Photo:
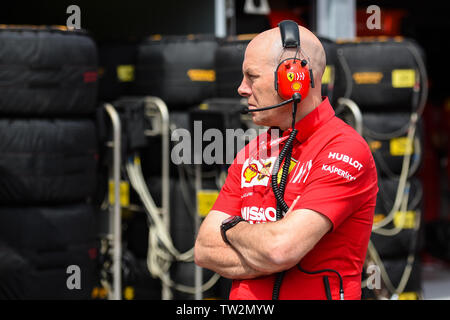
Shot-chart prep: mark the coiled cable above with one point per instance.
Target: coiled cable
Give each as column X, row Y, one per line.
column 278, row 191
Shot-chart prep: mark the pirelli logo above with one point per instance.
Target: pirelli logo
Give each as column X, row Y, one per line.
column 203, row 75
column 367, row 77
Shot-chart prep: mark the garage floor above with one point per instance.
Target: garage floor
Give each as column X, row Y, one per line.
column 436, row 281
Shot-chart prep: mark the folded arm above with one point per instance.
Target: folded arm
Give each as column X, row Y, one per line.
column 213, row 253
column 258, row 249
column 277, row 246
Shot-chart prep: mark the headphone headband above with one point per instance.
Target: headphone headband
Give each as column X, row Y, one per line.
column 290, row 37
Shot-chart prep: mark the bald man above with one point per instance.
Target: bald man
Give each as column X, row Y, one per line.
column 320, row 244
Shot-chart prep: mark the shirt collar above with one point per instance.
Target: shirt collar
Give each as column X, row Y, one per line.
column 313, row 120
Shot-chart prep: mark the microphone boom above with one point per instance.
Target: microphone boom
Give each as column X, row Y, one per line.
column 246, row 110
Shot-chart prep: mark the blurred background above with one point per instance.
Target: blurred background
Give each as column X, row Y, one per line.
column 95, row 95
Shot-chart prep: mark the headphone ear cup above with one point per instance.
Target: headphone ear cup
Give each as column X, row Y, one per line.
column 291, row 77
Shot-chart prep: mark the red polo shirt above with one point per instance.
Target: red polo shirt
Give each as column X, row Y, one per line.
column 333, row 172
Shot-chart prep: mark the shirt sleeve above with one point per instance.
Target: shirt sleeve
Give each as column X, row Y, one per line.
column 342, row 179
column 229, row 199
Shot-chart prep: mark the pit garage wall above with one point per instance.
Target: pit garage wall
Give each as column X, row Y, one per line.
column 109, row 20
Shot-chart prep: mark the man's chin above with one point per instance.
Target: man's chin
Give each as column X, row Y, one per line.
column 258, row 120
column 255, row 118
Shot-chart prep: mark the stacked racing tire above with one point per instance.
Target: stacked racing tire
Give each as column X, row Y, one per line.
column 48, row 163
column 386, row 79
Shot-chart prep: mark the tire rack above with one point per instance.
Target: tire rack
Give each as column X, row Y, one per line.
column 355, row 111
column 156, row 112
column 198, row 275
column 198, row 178
column 114, row 236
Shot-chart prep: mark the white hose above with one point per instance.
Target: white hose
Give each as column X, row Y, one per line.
column 406, row 272
column 161, row 250
column 400, row 195
column 403, row 177
column 135, row 175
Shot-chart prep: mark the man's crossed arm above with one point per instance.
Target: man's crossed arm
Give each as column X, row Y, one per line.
column 258, row 249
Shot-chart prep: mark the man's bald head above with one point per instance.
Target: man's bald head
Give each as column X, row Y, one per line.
column 262, row 56
column 270, row 46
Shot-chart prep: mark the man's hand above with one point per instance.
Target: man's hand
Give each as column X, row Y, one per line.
column 277, row 246
column 213, row 253
column 258, row 249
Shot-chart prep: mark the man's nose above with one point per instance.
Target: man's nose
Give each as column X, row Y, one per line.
column 244, row 89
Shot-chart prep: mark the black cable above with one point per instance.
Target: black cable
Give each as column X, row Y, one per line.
column 285, row 154
column 279, row 195
column 341, row 282
column 326, row 285
column 278, row 191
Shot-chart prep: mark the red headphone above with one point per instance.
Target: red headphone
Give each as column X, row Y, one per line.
column 292, row 76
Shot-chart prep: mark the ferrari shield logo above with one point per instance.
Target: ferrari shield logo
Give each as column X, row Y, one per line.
column 290, row 76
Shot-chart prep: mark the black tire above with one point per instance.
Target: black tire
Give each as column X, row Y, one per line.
column 179, row 70
column 329, row 75
column 182, row 229
column 230, row 56
column 20, row 279
column 218, row 114
column 395, row 246
column 137, row 282
column 47, row 229
column 12, row 268
column 408, row 240
column 182, row 226
column 47, row 161
column 184, row 273
column 43, row 242
column 47, row 72
column 388, row 189
column 228, row 63
column 395, row 269
column 51, row 284
column 388, row 149
column 117, row 70
column 379, row 75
